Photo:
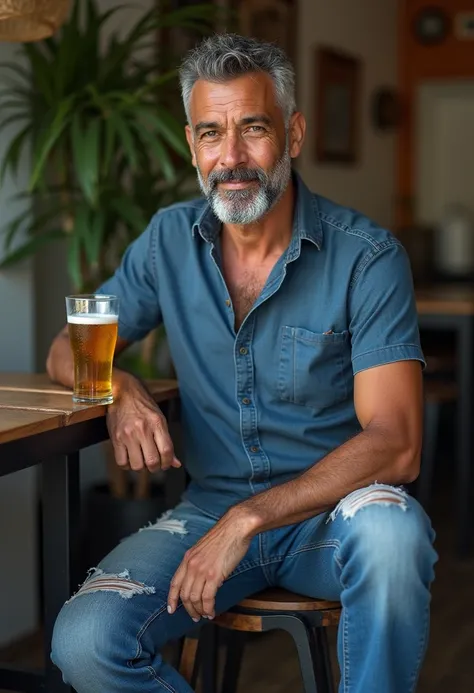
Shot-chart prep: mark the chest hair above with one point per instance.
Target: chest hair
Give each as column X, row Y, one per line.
column 244, row 291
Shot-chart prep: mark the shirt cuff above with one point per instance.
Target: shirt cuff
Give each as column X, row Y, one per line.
column 388, row 354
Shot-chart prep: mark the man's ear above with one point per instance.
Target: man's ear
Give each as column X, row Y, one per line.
column 297, row 133
column 189, row 137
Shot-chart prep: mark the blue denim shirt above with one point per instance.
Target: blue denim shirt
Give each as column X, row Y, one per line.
column 261, row 406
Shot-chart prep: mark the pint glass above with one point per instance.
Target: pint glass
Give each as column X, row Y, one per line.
column 93, row 325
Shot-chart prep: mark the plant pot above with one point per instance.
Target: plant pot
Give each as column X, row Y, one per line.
column 108, row 520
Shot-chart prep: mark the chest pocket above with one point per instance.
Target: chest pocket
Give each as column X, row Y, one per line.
column 315, row 368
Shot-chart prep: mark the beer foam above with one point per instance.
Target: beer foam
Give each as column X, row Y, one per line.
column 92, row 319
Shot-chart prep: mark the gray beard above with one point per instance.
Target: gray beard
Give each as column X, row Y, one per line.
column 249, row 205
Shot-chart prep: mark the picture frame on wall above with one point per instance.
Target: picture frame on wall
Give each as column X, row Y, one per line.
column 337, row 106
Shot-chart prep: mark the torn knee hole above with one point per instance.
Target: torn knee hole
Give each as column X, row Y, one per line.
column 376, row 494
column 99, row 581
column 166, row 523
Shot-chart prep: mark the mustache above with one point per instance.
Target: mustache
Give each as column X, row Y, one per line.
column 235, row 175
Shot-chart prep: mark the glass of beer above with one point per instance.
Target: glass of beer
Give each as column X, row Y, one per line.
column 93, row 326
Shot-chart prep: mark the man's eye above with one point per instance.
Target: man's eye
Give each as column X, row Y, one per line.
column 256, row 128
column 210, row 133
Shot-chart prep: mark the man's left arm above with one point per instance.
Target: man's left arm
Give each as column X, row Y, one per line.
column 388, row 402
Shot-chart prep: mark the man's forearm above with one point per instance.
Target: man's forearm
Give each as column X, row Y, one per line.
column 366, row 458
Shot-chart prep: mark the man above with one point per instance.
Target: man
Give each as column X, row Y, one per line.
column 293, row 330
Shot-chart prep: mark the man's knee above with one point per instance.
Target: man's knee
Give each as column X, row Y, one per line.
column 78, row 640
column 95, row 629
column 388, row 532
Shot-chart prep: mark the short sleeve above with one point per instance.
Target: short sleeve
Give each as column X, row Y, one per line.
column 383, row 316
column 134, row 282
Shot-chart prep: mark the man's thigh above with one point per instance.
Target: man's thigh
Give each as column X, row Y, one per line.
column 379, row 528
column 129, row 589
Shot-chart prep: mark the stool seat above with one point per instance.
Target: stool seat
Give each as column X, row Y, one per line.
column 253, row 613
column 277, row 599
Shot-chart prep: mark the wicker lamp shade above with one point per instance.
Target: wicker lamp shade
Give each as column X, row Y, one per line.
column 31, row 20
column 14, row 8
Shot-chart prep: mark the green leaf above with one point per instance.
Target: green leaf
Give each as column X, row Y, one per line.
column 171, row 131
column 123, row 131
column 42, row 71
column 39, row 221
column 74, row 261
column 30, row 248
column 95, row 235
column 75, row 19
column 129, row 212
column 14, row 88
column 51, row 46
column 12, row 155
column 18, row 70
column 13, row 227
column 154, row 82
column 106, row 15
column 12, row 104
column 109, row 145
column 48, row 139
column 14, row 118
column 119, row 52
column 85, row 150
column 91, row 12
column 68, row 61
column 162, row 157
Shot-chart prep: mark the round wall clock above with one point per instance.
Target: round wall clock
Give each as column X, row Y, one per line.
column 431, row 25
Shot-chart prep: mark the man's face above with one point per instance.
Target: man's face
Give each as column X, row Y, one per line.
column 240, row 146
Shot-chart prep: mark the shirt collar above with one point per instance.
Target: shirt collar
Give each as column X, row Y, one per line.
column 306, row 220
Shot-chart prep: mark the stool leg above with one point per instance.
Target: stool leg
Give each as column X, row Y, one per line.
column 324, row 668
column 207, row 658
column 234, row 654
column 305, row 644
column 187, row 666
column 430, row 439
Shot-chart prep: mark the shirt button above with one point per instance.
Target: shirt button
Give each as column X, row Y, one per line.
column 227, row 302
column 243, row 351
column 245, row 400
column 254, row 448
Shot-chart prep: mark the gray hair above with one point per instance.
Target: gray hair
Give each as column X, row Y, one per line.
column 224, row 57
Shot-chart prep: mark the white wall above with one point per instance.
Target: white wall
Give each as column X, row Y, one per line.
column 18, row 543
column 366, row 28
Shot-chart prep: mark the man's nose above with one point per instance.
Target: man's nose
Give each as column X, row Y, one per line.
column 233, row 151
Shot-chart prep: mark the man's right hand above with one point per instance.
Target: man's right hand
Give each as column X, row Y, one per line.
column 138, row 430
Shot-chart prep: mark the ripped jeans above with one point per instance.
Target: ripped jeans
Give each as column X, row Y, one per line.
column 374, row 553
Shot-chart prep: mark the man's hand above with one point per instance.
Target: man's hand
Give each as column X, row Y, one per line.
column 205, row 567
column 138, row 430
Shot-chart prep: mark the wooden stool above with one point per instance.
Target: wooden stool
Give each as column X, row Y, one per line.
column 305, row 619
column 436, row 393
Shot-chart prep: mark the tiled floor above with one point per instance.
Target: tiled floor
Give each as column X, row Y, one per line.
column 270, row 664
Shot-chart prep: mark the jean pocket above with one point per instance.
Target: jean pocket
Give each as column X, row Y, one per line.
column 315, row 368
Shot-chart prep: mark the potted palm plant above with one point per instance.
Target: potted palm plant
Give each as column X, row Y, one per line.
column 107, row 152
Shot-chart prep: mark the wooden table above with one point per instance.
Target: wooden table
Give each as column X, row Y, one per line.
column 451, row 308
column 40, row 425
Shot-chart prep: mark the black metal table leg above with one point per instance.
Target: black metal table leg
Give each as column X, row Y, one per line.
column 61, row 505
column 465, row 423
